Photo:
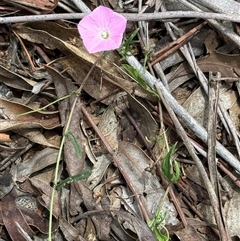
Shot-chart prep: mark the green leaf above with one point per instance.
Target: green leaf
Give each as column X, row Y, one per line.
column 136, row 76
column 171, row 173
column 177, row 173
column 77, row 177
column 160, row 236
column 76, row 146
column 147, row 57
column 156, row 224
column 126, row 46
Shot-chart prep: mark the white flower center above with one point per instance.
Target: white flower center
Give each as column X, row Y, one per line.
column 104, row 34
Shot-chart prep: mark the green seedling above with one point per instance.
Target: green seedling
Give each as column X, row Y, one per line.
column 156, row 224
column 171, row 172
column 170, row 168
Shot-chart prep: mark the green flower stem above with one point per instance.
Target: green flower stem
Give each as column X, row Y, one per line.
column 62, row 144
column 44, row 107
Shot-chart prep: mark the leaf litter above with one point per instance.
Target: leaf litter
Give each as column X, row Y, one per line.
column 110, row 180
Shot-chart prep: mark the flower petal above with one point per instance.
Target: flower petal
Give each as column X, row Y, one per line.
column 93, row 45
column 87, row 25
column 102, row 19
column 117, row 23
column 102, row 16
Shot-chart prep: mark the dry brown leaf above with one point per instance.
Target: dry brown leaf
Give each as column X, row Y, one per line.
column 6, row 184
column 142, row 230
column 11, row 109
column 45, row 6
column 234, row 113
column 232, row 211
column 211, row 42
column 39, row 161
column 109, row 127
column 35, row 136
column 115, row 201
column 69, row 232
column 197, row 103
column 90, row 233
column 98, row 171
column 15, row 80
column 18, row 211
column 11, row 125
column 12, row 217
column 188, row 233
column 63, row 86
column 227, row 65
column 143, row 117
column 28, row 205
column 46, row 191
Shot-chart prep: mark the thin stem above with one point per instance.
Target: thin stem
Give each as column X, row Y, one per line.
column 164, row 197
column 62, row 144
column 44, row 107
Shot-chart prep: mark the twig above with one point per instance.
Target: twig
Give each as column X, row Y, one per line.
column 228, row 32
column 234, row 178
column 223, row 6
column 81, row 6
column 213, row 97
column 160, row 16
column 175, row 45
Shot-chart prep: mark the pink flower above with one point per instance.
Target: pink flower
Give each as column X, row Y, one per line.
column 102, row 30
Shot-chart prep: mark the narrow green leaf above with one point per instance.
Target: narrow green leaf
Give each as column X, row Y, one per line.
column 156, row 224
column 160, row 236
column 169, row 172
column 77, row 177
column 147, row 57
column 126, row 46
column 76, row 146
column 177, row 172
column 136, row 76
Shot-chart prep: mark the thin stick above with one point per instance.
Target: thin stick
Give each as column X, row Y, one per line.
column 160, row 16
column 188, row 120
